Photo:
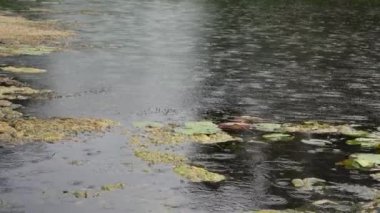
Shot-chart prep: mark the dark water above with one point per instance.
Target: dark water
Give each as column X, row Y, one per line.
column 174, row 60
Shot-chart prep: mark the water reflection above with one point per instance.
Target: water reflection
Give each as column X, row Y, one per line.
column 188, row 60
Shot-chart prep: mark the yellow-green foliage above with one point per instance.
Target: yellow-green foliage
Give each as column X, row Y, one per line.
column 112, row 187
column 197, row 174
column 29, row 70
column 56, row 129
column 155, row 157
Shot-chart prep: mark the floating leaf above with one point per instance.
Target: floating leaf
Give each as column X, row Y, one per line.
column 349, row 131
column 268, row 127
column 199, row 127
column 197, row 174
column 362, row 161
column 324, row 202
column 316, row 142
column 365, row 142
column 275, row 137
column 308, row 184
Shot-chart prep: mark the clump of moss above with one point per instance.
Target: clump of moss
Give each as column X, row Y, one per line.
column 56, row 129
column 112, row 186
column 197, row 174
column 18, row 93
column 154, row 157
column 172, row 134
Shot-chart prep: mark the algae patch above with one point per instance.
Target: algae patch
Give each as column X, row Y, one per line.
column 27, row 70
column 199, row 132
column 56, row 129
column 21, row 36
column 112, row 187
column 155, row 157
column 197, row 174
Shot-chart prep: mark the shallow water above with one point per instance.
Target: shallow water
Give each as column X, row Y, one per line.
column 190, row 60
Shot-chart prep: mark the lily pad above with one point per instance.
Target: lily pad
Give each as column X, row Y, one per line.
column 349, row 131
column 362, row 161
column 197, row 174
column 316, row 142
column 276, row 137
column 198, row 127
column 308, row 184
column 29, row 70
column 268, row 127
column 365, row 142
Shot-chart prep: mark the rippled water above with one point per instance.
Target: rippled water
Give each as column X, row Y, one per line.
column 189, row 60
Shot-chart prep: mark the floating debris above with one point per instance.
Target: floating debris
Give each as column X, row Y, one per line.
column 198, row 128
column 198, row 132
column 309, row 184
column 268, row 127
column 316, row 142
column 197, row 174
column 56, row 129
column 112, row 187
column 28, row 70
column 365, row 142
column 277, row 137
column 154, row 157
column 27, row 50
column 19, row 93
column 362, row 161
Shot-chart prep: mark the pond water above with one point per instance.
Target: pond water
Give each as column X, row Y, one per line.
column 174, row 61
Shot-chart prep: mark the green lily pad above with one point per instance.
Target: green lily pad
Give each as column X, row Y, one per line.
column 276, row 137
column 147, row 124
column 29, row 70
column 268, row 127
column 349, row 131
column 362, row 161
column 365, row 142
column 197, row 174
column 316, row 142
column 199, row 127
